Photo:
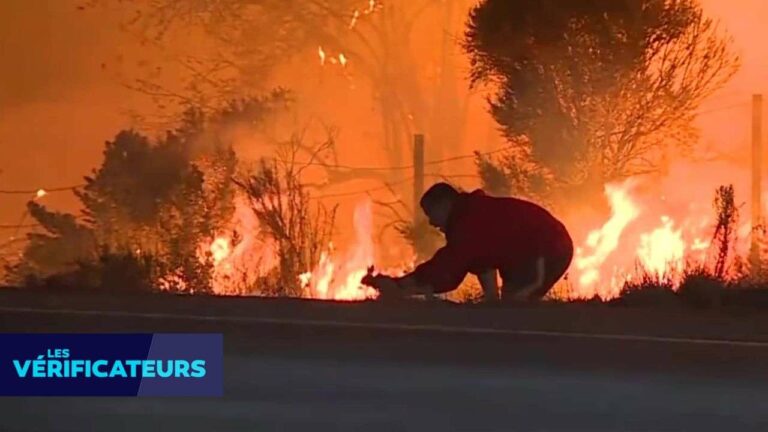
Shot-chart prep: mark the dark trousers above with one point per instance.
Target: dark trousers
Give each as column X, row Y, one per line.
column 523, row 274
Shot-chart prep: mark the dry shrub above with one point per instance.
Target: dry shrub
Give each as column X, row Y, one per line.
column 648, row 289
column 300, row 226
column 700, row 287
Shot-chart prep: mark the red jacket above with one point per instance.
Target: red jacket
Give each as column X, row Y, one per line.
column 486, row 232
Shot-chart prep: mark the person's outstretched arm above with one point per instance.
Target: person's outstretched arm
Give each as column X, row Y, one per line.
column 405, row 285
column 442, row 273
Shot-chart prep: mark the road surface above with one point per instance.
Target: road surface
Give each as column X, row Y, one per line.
column 297, row 366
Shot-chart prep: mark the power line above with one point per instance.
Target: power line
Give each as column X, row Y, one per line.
column 359, row 192
column 722, row 108
column 314, row 197
column 46, row 190
column 21, row 222
column 453, row 175
column 22, row 225
column 12, row 242
column 19, row 226
column 388, row 185
column 393, row 168
column 352, row 167
column 306, row 163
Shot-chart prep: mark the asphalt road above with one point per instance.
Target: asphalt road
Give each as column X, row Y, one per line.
column 326, row 367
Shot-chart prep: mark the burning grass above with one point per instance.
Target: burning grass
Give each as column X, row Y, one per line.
column 197, row 232
column 249, row 256
column 698, row 287
column 717, row 277
column 654, row 241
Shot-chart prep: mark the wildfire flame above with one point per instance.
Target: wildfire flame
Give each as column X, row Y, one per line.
column 341, row 281
column 601, row 243
column 238, row 264
column 239, row 255
column 662, row 250
column 220, row 249
column 657, row 236
column 321, row 53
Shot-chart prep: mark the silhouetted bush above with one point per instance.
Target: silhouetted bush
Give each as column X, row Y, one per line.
column 702, row 288
column 110, row 272
column 647, row 289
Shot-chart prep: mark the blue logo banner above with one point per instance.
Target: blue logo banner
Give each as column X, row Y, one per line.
column 142, row 364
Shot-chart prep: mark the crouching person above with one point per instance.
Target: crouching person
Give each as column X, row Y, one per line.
column 528, row 247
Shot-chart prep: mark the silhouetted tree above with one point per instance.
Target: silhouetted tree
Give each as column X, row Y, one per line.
column 514, row 173
column 57, row 247
column 149, row 207
column 597, row 89
column 249, row 39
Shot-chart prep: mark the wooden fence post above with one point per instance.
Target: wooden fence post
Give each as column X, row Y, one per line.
column 757, row 178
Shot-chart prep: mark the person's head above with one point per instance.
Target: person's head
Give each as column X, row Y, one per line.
column 437, row 203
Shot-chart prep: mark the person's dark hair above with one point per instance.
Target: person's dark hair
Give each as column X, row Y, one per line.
column 437, row 193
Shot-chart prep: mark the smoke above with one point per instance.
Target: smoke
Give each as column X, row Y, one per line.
column 62, row 94
column 725, row 118
column 58, row 101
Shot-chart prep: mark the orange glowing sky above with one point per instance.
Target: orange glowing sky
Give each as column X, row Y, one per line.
column 746, row 21
column 59, row 102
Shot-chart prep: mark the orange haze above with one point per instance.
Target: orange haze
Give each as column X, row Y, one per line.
column 60, row 99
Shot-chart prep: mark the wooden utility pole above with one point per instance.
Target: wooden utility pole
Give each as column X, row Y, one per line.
column 418, row 174
column 757, row 178
column 420, row 241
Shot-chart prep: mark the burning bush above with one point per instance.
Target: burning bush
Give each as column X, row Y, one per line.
column 166, row 214
column 151, row 203
column 648, row 289
column 699, row 283
column 301, row 230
